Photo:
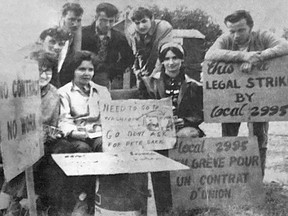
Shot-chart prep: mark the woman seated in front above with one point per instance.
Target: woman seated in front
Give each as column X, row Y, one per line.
column 187, row 105
column 80, row 111
column 80, row 123
column 186, row 93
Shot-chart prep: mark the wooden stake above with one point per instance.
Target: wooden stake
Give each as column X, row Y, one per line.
column 31, row 191
column 251, row 129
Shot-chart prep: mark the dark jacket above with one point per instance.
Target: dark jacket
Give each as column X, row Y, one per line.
column 190, row 99
column 119, row 53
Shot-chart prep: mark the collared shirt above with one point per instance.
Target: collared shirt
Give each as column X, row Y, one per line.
column 172, row 88
column 81, row 111
column 101, row 36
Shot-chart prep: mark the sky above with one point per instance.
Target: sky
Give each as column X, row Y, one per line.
column 23, row 20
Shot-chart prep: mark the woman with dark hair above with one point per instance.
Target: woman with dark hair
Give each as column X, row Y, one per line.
column 80, row 123
column 186, row 93
column 50, row 107
column 80, row 112
column 187, row 105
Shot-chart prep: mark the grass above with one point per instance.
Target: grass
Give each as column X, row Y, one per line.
column 276, row 204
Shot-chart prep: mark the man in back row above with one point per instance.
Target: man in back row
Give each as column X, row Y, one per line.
column 146, row 35
column 248, row 47
column 70, row 23
column 112, row 51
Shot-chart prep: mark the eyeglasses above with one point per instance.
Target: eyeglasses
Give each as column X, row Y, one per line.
column 46, row 71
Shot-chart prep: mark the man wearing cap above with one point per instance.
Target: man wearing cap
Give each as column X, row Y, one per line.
column 145, row 35
column 113, row 54
column 249, row 47
column 70, row 23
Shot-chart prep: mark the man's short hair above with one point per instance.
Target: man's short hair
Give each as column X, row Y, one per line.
column 109, row 9
column 239, row 15
column 56, row 33
column 140, row 13
column 45, row 60
column 75, row 7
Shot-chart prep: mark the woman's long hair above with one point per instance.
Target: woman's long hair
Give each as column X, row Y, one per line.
column 177, row 49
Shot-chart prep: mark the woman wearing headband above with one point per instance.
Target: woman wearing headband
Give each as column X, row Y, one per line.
column 186, row 93
column 187, row 99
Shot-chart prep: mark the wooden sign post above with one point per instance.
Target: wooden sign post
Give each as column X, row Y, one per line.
column 20, row 125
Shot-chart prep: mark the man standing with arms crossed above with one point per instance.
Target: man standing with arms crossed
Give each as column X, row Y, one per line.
column 249, row 47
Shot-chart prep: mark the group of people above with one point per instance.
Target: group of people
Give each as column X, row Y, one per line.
column 77, row 66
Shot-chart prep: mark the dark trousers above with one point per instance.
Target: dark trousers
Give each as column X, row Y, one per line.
column 260, row 130
column 162, row 188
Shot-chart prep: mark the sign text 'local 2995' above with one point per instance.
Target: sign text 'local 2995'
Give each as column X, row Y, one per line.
column 233, row 96
column 223, row 171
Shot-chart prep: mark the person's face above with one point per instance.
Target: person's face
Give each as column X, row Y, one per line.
column 45, row 76
column 104, row 23
column 172, row 64
column 71, row 22
column 52, row 45
column 240, row 31
column 144, row 25
column 84, row 73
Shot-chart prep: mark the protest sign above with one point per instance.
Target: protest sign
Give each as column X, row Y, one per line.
column 20, row 124
column 223, row 171
column 108, row 163
column 137, row 125
column 233, row 96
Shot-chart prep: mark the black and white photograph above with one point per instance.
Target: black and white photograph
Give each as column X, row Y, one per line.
column 144, row 108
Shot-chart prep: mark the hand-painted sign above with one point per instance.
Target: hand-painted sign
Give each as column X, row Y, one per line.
column 106, row 163
column 233, row 96
column 137, row 125
column 223, row 171
column 20, row 124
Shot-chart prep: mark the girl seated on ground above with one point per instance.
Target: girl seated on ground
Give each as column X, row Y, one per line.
column 186, row 93
column 80, row 123
column 50, row 106
column 187, row 105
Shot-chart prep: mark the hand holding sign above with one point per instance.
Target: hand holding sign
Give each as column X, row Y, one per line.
column 51, row 133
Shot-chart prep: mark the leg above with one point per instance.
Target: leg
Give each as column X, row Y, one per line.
column 261, row 132
column 80, row 146
column 162, row 189
column 230, row 129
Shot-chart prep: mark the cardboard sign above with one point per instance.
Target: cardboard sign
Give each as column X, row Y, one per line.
column 107, row 163
column 233, row 96
column 131, row 125
column 223, row 171
column 20, row 124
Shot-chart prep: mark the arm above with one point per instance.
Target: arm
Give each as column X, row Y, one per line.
column 66, row 121
column 274, row 47
column 219, row 51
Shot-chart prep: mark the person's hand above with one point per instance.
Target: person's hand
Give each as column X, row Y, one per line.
column 246, row 67
column 252, row 57
column 140, row 73
column 179, row 123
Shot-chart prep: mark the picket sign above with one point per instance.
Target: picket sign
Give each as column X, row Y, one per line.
column 223, row 171
column 233, row 96
column 20, row 125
